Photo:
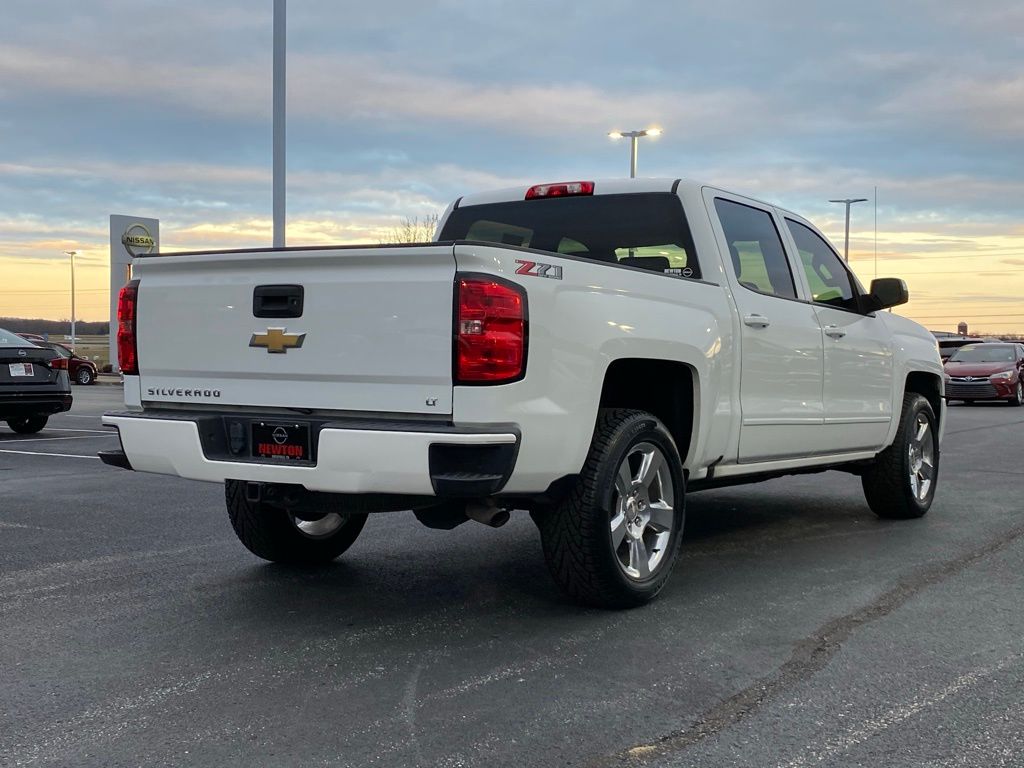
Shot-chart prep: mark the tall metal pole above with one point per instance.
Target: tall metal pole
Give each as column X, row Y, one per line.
column 848, row 201
column 846, row 240
column 634, row 144
column 279, row 121
column 72, row 255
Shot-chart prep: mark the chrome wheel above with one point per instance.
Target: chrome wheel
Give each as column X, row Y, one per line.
column 921, row 456
column 324, row 526
column 84, row 376
column 642, row 511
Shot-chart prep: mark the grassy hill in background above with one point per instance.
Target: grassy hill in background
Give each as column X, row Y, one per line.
column 54, row 327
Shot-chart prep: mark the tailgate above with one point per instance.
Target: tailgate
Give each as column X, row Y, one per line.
column 374, row 333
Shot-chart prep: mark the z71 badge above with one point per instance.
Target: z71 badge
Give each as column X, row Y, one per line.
column 536, row 269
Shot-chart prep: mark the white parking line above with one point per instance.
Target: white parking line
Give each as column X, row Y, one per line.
column 61, row 455
column 63, row 429
column 76, row 437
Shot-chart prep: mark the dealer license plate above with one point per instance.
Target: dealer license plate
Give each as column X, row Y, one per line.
column 21, row 369
column 280, row 441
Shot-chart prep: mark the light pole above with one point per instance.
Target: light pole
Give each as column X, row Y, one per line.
column 280, row 12
column 72, row 255
column 634, row 137
column 848, row 201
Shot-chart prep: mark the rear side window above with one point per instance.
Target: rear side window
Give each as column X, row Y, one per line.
column 643, row 230
column 830, row 281
column 755, row 249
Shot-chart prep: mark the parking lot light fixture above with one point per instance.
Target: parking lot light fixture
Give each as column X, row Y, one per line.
column 634, row 137
column 72, row 254
column 848, row 201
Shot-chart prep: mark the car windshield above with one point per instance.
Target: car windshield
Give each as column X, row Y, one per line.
column 983, row 353
column 8, row 339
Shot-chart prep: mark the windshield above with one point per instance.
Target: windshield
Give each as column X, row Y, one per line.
column 644, row 230
column 983, row 353
column 8, row 339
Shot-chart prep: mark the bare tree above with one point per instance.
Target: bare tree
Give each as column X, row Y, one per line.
column 414, row 230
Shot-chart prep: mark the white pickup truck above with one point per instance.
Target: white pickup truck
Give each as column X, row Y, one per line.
column 587, row 351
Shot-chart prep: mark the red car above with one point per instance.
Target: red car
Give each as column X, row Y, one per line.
column 80, row 370
column 986, row 372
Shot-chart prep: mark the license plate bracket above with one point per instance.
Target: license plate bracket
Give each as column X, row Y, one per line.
column 21, row 369
column 281, row 441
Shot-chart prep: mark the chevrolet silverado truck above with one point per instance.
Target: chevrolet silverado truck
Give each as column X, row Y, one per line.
column 589, row 352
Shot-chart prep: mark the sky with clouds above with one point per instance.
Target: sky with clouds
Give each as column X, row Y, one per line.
column 162, row 109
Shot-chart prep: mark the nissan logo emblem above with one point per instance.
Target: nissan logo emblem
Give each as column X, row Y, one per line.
column 280, row 435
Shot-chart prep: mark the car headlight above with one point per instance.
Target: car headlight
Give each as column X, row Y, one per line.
column 1002, row 375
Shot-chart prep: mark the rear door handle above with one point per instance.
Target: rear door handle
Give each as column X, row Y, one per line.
column 756, row 321
column 834, row 331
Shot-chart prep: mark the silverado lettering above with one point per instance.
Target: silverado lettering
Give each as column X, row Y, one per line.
column 163, row 392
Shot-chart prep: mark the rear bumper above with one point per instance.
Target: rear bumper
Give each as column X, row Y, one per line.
column 27, row 401
column 351, row 456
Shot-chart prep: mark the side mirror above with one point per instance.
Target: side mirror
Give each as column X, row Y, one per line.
column 886, row 292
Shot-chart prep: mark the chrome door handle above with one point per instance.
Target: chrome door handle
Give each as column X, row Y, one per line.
column 756, row 321
column 834, row 331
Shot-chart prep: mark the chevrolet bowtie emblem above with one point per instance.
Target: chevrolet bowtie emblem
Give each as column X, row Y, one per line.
column 276, row 340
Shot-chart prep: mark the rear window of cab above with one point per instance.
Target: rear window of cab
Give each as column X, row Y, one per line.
column 644, row 230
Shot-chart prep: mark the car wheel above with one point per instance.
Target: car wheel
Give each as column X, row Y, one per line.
column 613, row 540
column 85, row 376
column 901, row 482
column 28, row 425
column 281, row 536
column 1018, row 395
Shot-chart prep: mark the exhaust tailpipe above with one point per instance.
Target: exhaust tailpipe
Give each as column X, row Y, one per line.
column 487, row 512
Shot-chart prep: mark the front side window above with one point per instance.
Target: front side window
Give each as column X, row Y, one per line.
column 755, row 248
column 830, row 281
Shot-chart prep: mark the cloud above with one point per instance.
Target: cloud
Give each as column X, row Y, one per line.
column 345, row 88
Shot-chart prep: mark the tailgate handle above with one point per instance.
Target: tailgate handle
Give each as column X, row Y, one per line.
column 277, row 301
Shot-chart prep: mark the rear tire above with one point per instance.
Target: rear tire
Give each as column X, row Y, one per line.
column 613, row 541
column 277, row 535
column 901, row 482
column 28, row 425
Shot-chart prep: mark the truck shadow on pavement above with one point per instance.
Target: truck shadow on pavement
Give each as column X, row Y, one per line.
column 480, row 570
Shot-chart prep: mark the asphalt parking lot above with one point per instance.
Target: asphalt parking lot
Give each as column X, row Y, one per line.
column 799, row 630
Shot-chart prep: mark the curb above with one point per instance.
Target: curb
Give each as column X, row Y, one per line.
column 108, row 381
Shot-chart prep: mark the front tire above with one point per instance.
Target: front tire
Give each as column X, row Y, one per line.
column 613, row 540
column 277, row 535
column 901, row 482
column 84, row 376
column 28, row 425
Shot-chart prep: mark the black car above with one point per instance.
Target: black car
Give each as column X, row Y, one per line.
column 32, row 385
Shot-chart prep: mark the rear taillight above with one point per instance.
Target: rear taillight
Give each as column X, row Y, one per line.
column 490, row 331
column 562, row 189
column 59, row 364
column 127, row 346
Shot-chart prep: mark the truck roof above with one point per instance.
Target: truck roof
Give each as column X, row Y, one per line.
column 602, row 187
